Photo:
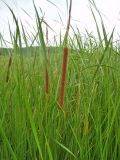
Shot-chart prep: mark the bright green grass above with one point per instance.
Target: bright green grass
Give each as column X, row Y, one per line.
column 32, row 127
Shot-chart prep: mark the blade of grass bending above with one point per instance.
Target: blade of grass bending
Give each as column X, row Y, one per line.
column 18, row 35
column 33, row 127
column 74, row 134
column 102, row 57
column 24, row 35
column 65, row 148
column 2, row 132
column 17, row 39
column 60, row 19
column 4, row 42
column 65, row 61
column 102, row 23
column 53, row 4
column 98, row 31
column 78, row 38
column 40, row 34
column 48, row 148
column 11, row 34
column 27, row 13
column 35, row 36
column 41, row 38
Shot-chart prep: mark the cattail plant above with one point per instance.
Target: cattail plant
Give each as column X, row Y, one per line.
column 8, row 68
column 65, row 61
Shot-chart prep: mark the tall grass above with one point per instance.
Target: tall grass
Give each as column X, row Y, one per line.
column 33, row 128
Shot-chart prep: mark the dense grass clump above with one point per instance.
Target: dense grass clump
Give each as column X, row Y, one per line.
column 33, row 126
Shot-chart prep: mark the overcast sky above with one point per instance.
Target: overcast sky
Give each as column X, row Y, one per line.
column 81, row 15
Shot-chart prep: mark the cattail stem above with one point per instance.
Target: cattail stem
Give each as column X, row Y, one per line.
column 8, row 69
column 63, row 77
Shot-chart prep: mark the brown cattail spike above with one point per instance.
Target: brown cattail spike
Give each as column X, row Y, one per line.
column 63, row 78
column 8, row 68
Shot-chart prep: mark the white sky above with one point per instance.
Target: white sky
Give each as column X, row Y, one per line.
column 81, row 15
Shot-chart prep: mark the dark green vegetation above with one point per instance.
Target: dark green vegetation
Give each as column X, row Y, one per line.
column 32, row 127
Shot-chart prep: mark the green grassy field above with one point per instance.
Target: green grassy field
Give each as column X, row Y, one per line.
column 33, row 126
